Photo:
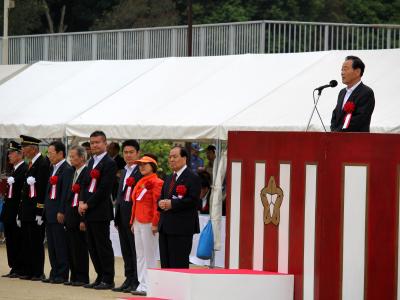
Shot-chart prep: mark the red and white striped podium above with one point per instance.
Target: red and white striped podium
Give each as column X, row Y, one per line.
column 338, row 219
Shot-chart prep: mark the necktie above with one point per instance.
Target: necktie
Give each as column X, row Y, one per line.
column 75, row 177
column 30, row 165
column 171, row 185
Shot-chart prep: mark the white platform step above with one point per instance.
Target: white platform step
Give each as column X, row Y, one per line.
column 219, row 284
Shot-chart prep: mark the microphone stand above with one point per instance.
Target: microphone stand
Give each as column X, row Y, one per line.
column 315, row 109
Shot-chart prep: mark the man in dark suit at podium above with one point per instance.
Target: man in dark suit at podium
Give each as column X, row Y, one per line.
column 178, row 205
column 12, row 226
column 95, row 204
column 356, row 102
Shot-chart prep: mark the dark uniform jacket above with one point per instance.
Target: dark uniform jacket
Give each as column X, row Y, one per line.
column 32, row 207
column 11, row 205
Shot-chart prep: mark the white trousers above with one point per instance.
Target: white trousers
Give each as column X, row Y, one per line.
column 146, row 252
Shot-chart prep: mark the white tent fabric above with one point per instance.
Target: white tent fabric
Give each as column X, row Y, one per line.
column 41, row 100
column 7, row 71
column 196, row 98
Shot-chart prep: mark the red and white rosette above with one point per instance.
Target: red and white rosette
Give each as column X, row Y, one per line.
column 31, row 182
column 76, row 188
column 181, row 191
column 146, row 187
column 95, row 175
column 129, row 182
column 348, row 108
column 10, row 181
column 53, row 182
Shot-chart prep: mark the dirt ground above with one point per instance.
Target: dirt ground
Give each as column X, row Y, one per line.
column 17, row 289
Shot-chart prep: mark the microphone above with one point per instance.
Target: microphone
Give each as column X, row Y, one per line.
column 332, row 83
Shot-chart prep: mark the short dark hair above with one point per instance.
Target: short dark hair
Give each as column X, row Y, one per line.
column 205, row 179
column 86, row 145
column 357, row 63
column 115, row 146
column 211, row 148
column 58, row 146
column 183, row 152
column 153, row 165
column 99, row 133
column 132, row 143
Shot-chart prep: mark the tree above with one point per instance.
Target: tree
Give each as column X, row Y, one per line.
column 138, row 13
column 25, row 18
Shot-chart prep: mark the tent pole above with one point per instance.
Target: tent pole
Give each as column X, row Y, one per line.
column 215, row 167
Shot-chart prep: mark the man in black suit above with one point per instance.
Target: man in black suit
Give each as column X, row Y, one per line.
column 95, row 204
column 12, row 227
column 75, row 225
column 54, row 212
column 178, row 204
column 356, row 102
column 123, row 211
column 113, row 150
column 31, row 209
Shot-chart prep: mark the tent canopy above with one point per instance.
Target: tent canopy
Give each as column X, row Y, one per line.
column 191, row 98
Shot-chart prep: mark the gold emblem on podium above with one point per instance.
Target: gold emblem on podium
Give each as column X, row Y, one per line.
column 271, row 198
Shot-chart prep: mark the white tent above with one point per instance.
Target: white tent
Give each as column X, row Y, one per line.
column 197, row 98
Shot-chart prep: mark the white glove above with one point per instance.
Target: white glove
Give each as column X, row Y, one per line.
column 18, row 222
column 39, row 220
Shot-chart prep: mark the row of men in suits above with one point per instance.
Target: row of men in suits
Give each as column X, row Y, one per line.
column 73, row 205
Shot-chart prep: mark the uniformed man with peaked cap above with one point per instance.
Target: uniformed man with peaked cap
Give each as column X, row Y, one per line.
column 31, row 212
column 9, row 214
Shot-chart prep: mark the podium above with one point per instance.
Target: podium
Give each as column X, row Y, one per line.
column 321, row 206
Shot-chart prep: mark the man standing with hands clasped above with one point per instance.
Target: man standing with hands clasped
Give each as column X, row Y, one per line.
column 96, row 205
column 179, row 219
column 356, row 102
column 54, row 207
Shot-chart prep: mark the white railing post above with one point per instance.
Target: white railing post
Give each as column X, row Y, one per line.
column 69, row 48
column 119, row 45
column 94, row 46
column 46, row 48
column 262, row 37
column 326, row 38
column 22, row 51
column 232, row 33
column 146, row 46
column 174, row 42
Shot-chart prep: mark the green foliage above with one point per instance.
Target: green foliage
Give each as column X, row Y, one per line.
column 25, row 18
column 138, row 13
column 160, row 149
column 28, row 17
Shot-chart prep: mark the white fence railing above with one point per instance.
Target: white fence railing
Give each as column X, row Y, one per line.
column 214, row 39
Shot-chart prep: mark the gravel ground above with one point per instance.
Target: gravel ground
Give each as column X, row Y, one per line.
column 14, row 289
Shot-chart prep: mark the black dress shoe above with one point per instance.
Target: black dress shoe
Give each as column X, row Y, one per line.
column 38, row 278
column 6, row 275
column 91, row 285
column 58, row 281
column 139, row 293
column 125, row 285
column 68, row 283
column 48, row 280
column 131, row 288
column 14, row 275
column 78, row 283
column 25, row 277
column 104, row 286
